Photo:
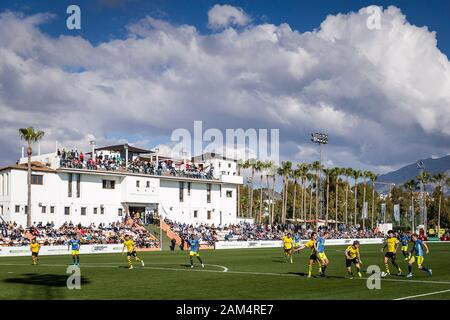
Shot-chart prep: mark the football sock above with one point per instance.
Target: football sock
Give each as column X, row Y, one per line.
column 200, row 259
column 409, row 268
column 386, row 266
column 74, row 259
column 424, row 269
column 129, row 261
column 323, row 269
column 309, row 269
column 192, row 261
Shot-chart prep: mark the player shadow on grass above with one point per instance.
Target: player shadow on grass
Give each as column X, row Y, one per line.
column 46, row 285
column 302, row 274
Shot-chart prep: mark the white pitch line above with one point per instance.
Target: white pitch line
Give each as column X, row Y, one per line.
column 412, row 281
column 422, row 295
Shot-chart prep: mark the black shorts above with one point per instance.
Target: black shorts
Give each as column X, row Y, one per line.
column 390, row 255
column 348, row 262
column 314, row 257
column 131, row 254
column 35, row 254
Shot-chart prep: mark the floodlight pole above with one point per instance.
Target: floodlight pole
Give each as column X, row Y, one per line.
column 423, row 212
column 319, row 138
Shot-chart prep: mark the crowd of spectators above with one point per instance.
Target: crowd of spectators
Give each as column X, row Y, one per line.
column 246, row 231
column 13, row 235
column 78, row 160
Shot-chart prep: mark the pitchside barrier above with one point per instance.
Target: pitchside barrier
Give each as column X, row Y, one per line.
column 278, row 243
column 59, row 250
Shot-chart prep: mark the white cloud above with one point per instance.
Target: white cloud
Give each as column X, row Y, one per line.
column 222, row 16
column 382, row 95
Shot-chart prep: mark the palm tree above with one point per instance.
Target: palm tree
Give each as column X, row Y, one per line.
column 240, row 165
column 328, row 172
column 365, row 174
column 411, row 186
column 295, row 175
column 310, row 178
column 252, row 164
column 338, row 172
column 246, row 165
column 440, row 179
column 317, row 167
column 30, row 135
column 259, row 167
column 274, row 178
column 373, row 177
column 347, row 172
column 356, row 174
column 268, row 170
column 424, row 177
column 303, row 169
column 285, row 171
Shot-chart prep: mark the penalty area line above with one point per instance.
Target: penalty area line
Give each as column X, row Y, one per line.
column 423, row 295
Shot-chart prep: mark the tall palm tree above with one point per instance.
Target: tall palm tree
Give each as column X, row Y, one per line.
column 268, row 170
column 317, row 167
column 364, row 174
column 30, row 135
column 252, row 164
column 274, row 174
column 285, row 171
column 356, row 174
column 411, row 186
column 329, row 173
column 439, row 179
column 347, row 172
column 424, row 177
column 338, row 172
column 373, row 177
column 295, row 175
column 260, row 167
column 245, row 166
column 310, row 178
column 240, row 165
column 303, row 168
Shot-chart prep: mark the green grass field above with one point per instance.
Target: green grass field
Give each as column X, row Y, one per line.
column 251, row 274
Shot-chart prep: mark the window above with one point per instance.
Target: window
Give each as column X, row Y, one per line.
column 44, row 209
column 102, row 210
column 78, row 185
column 208, row 215
column 52, row 209
column 83, row 211
column 181, row 191
column 17, row 209
column 66, row 211
column 69, row 193
column 189, row 189
column 229, row 165
column 195, row 213
column 109, row 184
column 1, row 209
column 229, row 194
column 95, row 210
column 26, row 209
column 138, row 184
column 37, row 179
column 120, row 211
column 148, row 184
column 208, row 192
column 220, row 164
column 220, row 190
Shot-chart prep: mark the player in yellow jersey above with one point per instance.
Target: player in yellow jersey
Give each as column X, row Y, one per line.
column 352, row 256
column 391, row 244
column 131, row 251
column 311, row 244
column 34, row 248
column 287, row 246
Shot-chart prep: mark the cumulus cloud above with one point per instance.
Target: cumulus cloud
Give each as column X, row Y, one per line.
column 382, row 95
column 222, row 16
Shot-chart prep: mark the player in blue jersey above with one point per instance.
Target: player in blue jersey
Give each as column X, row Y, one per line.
column 417, row 249
column 404, row 239
column 194, row 247
column 321, row 253
column 75, row 245
column 297, row 240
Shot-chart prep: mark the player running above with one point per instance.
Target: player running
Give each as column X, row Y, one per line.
column 312, row 244
column 131, row 251
column 391, row 244
column 75, row 244
column 321, row 252
column 34, row 248
column 352, row 256
column 404, row 239
column 194, row 245
column 417, row 248
column 287, row 246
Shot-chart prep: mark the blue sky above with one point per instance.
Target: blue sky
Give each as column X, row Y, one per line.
column 139, row 69
column 105, row 20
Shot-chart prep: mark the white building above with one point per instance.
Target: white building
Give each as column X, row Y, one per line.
column 85, row 196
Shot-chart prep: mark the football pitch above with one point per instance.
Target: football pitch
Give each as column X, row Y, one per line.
column 228, row 274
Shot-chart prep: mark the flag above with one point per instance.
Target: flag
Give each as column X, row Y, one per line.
column 365, row 210
column 397, row 212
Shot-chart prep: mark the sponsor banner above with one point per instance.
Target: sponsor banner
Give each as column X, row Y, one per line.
column 278, row 243
column 60, row 250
